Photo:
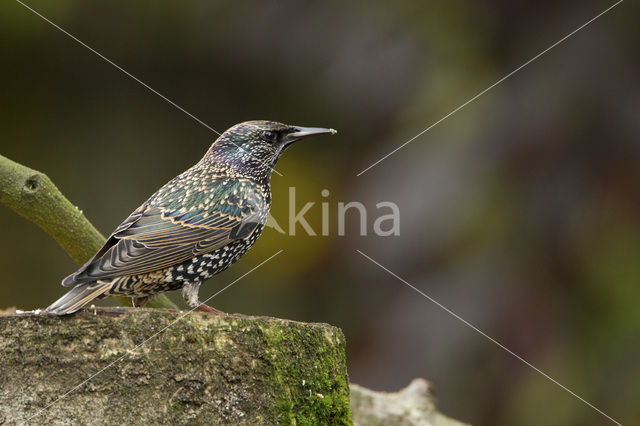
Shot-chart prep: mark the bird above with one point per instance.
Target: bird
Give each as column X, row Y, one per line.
column 194, row 227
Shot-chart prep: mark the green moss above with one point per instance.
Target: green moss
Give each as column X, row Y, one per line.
column 201, row 369
column 312, row 374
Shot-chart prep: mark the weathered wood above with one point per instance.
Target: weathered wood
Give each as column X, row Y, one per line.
column 198, row 369
column 413, row 405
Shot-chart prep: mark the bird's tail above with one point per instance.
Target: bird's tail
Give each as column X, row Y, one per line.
column 78, row 297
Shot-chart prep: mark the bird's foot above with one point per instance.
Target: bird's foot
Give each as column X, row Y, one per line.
column 139, row 302
column 208, row 309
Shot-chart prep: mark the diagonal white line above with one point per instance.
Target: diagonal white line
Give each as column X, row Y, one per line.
column 482, row 333
column 130, row 351
column 489, row 88
column 120, row 68
column 127, row 73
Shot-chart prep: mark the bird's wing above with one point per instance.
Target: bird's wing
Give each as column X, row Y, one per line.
column 158, row 234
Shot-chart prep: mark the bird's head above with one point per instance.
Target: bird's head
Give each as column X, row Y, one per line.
column 253, row 147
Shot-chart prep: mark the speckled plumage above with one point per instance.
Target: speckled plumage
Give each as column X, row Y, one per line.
column 192, row 228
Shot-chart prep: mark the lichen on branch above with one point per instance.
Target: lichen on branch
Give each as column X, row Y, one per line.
column 202, row 369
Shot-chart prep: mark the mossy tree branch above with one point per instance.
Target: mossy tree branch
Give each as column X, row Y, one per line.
column 33, row 196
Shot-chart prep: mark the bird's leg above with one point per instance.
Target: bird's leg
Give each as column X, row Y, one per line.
column 139, row 302
column 190, row 295
column 209, row 309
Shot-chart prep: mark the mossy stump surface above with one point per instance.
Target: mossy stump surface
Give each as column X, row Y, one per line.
column 198, row 369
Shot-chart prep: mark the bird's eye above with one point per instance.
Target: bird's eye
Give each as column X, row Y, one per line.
column 270, row 136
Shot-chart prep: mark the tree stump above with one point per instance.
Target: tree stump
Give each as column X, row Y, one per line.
column 154, row 366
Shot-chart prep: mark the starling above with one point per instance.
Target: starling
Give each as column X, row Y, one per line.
column 192, row 228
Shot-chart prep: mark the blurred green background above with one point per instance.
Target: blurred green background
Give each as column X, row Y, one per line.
column 521, row 212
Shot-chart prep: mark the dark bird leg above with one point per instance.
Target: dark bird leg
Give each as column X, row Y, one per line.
column 139, row 302
column 190, row 295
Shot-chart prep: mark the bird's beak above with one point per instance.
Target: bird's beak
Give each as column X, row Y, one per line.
column 303, row 132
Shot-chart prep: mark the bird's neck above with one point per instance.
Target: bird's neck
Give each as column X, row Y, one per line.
column 234, row 166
